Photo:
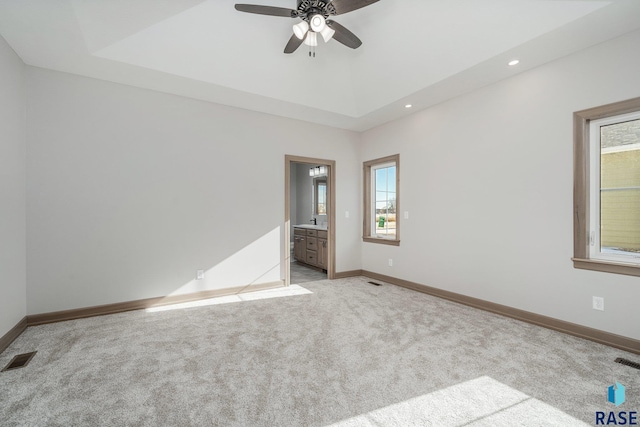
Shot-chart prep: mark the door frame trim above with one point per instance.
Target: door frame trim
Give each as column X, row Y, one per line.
column 331, row 211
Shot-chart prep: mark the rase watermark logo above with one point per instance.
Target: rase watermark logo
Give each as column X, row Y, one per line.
column 616, row 396
column 616, row 393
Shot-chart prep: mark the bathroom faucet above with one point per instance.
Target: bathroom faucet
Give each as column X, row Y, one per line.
column 314, row 221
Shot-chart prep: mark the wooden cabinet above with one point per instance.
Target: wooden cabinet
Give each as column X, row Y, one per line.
column 310, row 247
column 300, row 244
column 311, row 257
column 312, row 243
column 322, row 250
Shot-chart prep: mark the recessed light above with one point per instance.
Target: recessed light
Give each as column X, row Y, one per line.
column 514, row 62
column 408, row 106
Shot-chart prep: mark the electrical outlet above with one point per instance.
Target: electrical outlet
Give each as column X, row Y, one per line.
column 199, row 274
column 406, row 214
column 346, row 214
column 390, row 262
column 598, row 303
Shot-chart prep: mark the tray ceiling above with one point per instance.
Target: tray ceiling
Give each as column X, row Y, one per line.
column 414, row 51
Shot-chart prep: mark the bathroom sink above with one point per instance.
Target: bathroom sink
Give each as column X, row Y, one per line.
column 311, row 226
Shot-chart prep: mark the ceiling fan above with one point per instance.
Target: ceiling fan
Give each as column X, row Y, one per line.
column 314, row 15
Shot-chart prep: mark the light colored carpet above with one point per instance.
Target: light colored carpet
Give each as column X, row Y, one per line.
column 348, row 354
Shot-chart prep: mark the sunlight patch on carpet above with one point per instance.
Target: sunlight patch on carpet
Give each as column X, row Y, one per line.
column 249, row 296
column 479, row 402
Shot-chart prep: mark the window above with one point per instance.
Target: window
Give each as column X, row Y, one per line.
column 381, row 200
column 320, row 196
column 607, row 188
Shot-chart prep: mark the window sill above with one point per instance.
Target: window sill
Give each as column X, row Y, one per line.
column 381, row 241
column 606, row 266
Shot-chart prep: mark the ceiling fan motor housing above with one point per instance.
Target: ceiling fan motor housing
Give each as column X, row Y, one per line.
column 308, row 8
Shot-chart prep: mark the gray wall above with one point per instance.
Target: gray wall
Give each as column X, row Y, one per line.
column 131, row 191
column 488, row 181
column 12, row 189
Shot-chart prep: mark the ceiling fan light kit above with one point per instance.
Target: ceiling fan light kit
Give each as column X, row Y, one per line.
column 314, row 15
column 300, row 29
column 317, row 23
column 312, row 39
column 327, row 33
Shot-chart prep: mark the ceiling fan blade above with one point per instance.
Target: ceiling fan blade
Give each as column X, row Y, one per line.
column 267, row 10
column 344, row 6
column 294, row 43
column 344, row 36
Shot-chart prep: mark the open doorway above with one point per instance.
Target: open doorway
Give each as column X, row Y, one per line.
column 309, row 241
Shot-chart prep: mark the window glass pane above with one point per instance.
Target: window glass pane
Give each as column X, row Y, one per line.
column 322, row 192
column 620, row 188
column 381, row 196
column 381, row 179
column 385, row 201
column 391, row 178
column 391, row 202
column 320, row 197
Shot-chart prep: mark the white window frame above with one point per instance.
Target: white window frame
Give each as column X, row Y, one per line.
column 586, row 174
column 373, row 207
column 317, row 183
column 595, row 155
column 369, row 225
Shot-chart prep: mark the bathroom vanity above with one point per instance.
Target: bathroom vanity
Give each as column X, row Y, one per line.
column 310, row 245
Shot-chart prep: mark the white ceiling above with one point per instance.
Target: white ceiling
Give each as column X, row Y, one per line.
column 414, row 51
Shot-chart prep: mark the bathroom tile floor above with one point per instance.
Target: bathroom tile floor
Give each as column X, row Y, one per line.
column 303, row 274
